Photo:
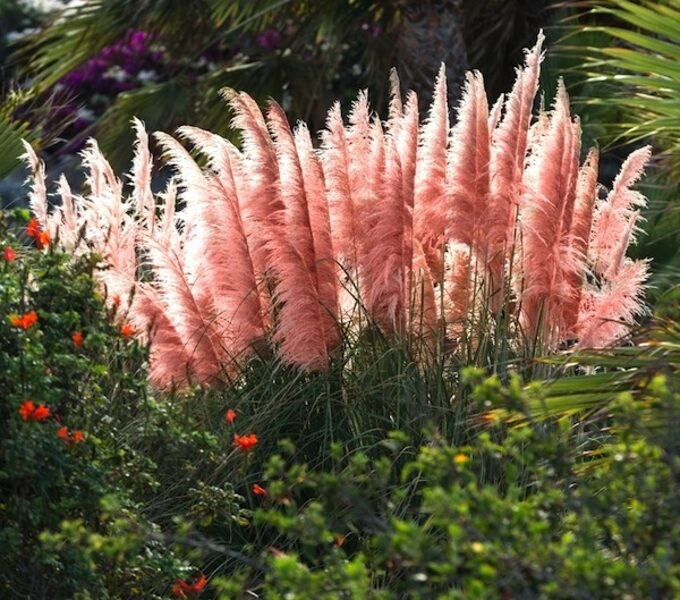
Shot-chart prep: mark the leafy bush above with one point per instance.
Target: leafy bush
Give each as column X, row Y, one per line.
column 536, row 511
column 68, row 381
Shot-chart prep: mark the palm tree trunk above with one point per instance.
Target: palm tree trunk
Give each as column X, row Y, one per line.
column 431, row 33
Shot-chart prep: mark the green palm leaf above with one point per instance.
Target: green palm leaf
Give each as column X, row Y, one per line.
column 637, row 69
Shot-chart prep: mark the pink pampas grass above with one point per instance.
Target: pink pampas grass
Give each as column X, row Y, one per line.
column 437, row 235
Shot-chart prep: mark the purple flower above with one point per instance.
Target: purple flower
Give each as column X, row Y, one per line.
column 269, row 39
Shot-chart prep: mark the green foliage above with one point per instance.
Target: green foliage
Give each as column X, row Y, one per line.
column 68, row 524
column 531, row 512
column 639, row 55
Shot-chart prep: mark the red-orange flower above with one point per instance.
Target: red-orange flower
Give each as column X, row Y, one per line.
column 75, row 437
column 25, row 321
column 245, row 442
column 28, row 411
column 33, row 228
column 258, row 490
column 40, row 237
column 126, row 330
column 42, row 413
column 182, row 589
column 43, row 240
column 77, row 338
column 230, row 416
column 9, row 254
column 199, row 585
column 116, row 300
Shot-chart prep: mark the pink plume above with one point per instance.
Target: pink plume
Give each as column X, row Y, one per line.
column 429, row 213
column 586, row 194
column 319, row 221
column 468, row 169
column 170, row 364
column 302, row 324
column 260, row 202
column 508, row 154
column 396, row 108
column 237, row 297
column 182, row 311
column 383, row 282
column 495, row 113
column 422, row 301
column 67, row 217
column 336, row 166
column 607, row 314
column 406, row 141
column 458, row 288
column 546, row 217
column 612, row 215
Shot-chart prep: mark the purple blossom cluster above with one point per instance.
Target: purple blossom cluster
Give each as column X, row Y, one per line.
column 87, row 91
column 117, row 68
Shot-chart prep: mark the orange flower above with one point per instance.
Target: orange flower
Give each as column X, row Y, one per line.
column 245, row 442
column 30, row 412
column 9, row 254
column 182, row 589
column 42, row 413
column 126, row 330
column 40, row 237
column 77, row 338
column 74, row 438
column 43, row 240
column 258, row 490
column 33, row 228
column 25, row 321
column 230, row 416
column 199, row 585
column 116, row 300
column 26, row 410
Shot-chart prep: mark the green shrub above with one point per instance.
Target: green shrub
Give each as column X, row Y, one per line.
column 68, row 524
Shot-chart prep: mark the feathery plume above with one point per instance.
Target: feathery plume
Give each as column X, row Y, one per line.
column 546, row 214
column 319, row 221
column 468, row 169
column 458, row 286
column 606, row 315
column 384, row 276
column 612, row 215
column 429, row 213
column 260, row 200
column 69, row 231
column 140, row 176
column 406, row 141
column 579, row 236
column 508, row 154
column 237, row 298
column 37, row 197
column 302, row 324
column 170, row 365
